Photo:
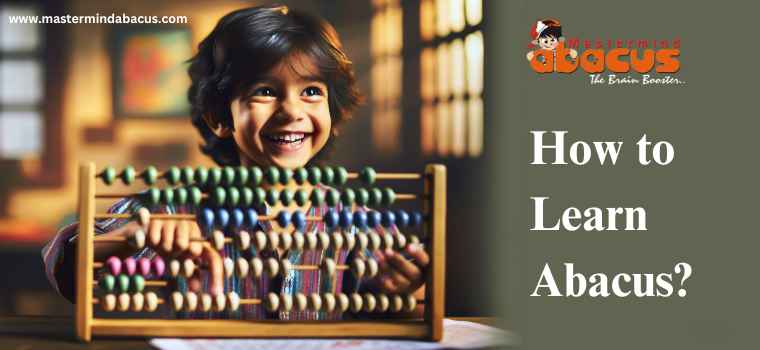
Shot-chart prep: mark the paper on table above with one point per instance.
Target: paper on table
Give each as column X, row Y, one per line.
column 456, row 335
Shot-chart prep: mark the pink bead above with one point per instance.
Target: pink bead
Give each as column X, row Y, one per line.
column 114, row 264
column 158, row 266
column 143, row 265
column 130, row 265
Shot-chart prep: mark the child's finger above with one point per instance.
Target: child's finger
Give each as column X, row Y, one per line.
column 420, row 256
column 402, row 283
column 215, row 269
column 154, row 234
column 167, row 235
column 387, row 285
column 194, row 284
column 182, row 237
column 196, row 248
column 382, row 261
column 405, row 267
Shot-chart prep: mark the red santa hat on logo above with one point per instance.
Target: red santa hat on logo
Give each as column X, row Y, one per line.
column 539, row 27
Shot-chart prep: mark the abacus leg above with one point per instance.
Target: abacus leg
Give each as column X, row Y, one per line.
column 85, row 251
column 435, row 188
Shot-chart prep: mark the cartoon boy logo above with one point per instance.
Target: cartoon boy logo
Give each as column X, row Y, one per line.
column 547, row 35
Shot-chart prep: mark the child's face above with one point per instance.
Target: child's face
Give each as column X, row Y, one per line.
column 548, row 42
column 283, row 119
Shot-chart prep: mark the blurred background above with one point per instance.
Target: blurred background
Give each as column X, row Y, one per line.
column 115, row 94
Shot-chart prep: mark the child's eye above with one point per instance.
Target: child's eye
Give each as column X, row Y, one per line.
column 312, row 91
column 264, row 91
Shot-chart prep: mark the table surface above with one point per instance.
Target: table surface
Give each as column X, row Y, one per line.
column 41, row 332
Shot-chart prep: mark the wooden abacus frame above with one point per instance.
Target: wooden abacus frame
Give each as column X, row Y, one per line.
column 430, row 327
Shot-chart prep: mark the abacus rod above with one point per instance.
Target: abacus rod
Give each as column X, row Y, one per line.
column 399, row 196
column 390, row 176
column 148, row 283
column 244, row 301
column 98, row 265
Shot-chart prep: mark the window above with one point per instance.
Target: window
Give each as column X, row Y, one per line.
column 386, row 42
column 451, row 78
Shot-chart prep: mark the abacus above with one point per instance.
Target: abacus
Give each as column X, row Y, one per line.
column 224, row 202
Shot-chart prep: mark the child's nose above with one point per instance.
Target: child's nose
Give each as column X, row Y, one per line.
column 291, row 109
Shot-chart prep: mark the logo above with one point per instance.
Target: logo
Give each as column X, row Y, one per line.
column 625, row 61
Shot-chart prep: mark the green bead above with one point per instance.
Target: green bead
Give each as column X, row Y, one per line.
column 285, row 176
column 246, row 195
column 150, row 175
column 201, row 175
column 259, row 197
column 181, row 194
column 128, row 175
column 332, row 197
column 315, row 175
column 272, row 196
column 228, row 176
column 272, row 175
column 195, row 195
column 107, row 283
column 317, row 197
column 256, row 175
column 341, row 176
column 375, row 197
column 368, row 175
column 286, row 197
column 233, row 196
column 153, row 196
column 301, row 197
column 172, row 175
column 328, row 175
column 220, row 195
column 347, row 197
column 214, row 177
column 362, row 197
column 123, row 283
column 167, row 196
column 301, row 175
column 188, row 175
column 108, row 175
column 242, row 175
column 138, row 283
column 389, row 196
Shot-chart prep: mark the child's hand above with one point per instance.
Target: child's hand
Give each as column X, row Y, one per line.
column 399, row 274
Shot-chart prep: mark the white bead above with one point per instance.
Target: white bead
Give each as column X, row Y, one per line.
column 191, row 301
column 413, row 239
column 369, row 302
column 260, row 241
column 272, row 302
column 218, row 237
column 143, row 217
column 258, row 266
column 356, row 302
column 328, row 267
column 229, row 267
column 329, row 302
column 315, row 302
column 311, row 241
column 286, row 302
column 188, row 268
column 137, row 239
column 374, row 241
column 397, row 303
column 387, row 241
column 410, row 303
column 358, row 267
column 272, row 267
column 285, row 267
column 174, row 267
column 372, row 268
column 151, row 301
column 234, row 300
column 301, row 302
column 361, row 241
column 177, row 300
column 337, row 240
column 400, row 241
column 324, row 240
column 206, row 302
column 286, row 240
column 109, row 302
column 274, row 240
column 343, row 302
column 123, row 302
column 349, row 240
column 242, row 267
column 220, row 301
column 298, row 241
column 244, row 240
column 138, row 300
column 382, row 302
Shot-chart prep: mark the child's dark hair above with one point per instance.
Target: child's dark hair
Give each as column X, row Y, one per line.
column 554, row 29
column 247, row 43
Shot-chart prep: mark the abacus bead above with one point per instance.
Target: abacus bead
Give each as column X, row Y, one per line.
column 374, row 218
column 158, row 266
column 128, row 175
column 130, row 265
column 389, row 196
column 345, row 219
column 300, row 301
column 153, row 196
column 151, row 301
column 143, row 265
column 107, row 283
column 387, row 240
column 123, row 304
column 138, row 302
column 410, row 303
column 328, row 299
column 368, row 175
column 206, row 302
column 300, row 197
column 347, row 197
column 174, row 267
column 332, row 197
column 286, row 240
column 228, row 176
column 362, row 197
column 246, row 196
column 285, row 267
column 242, row 175
column 349, row 240
column 397, row 303
column 315, row 175
column 214, row 177
column 237, row 218
column 315, row 302
column 299, row 220
column 369, row 302
column 251, row 217
column 272, row 175
column 195, row 196
column 244, row 240
column 108, row 175
column 361, row 240
column 167, row 196
column 317, row 197
column 181, row 194
column 191, row 301
column 360, row 219
column 330, row 218
column 328, row 175
column 188, row 268
column 138, row 283
column 285, row 176
column 324, row 240
column 272, row 196
column 257, row 266
column 123, row 283
column 358, row 268
column 201, row 175
column 415, row 220
column 233, row 196
column 220, row 195
column 342, row 302
column 114, row 265
column 109, row 302
column 233, row 300
column 337, row 240
column 188, row 176
column 388, row 218
column 272, row 267
column 372, row 268
column 241, row 266
column 272, row 302
column 400, row 240
column 301, row 175
column 375, row 197
column 218, row 240
column 382, row 303
column 259, row 197
column 172, row 175
column 206, row 218
column 255, row 175
column 341, row 176
column 298, row 240
column 328, row 267
column 356, row 302
column 286, row 197
column 137, row 239
column 177, row 300
column 260, row 240
column 222, row 217
column 374, row 241
column 283, row 218
column 149, row 175
column 402, row 218
column 229, row 267
column 311, row 241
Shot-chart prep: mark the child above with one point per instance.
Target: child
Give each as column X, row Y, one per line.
column 547, row 34
column 269, row 87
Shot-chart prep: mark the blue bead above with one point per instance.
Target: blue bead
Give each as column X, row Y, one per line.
column 299, row 220
column 360, row 219
column 222, row 217
column 345, row 219
column 416, row 219
column 206, row 219
column 388, row 218
column 237, row 218
column 330, row 218
column 402, row 218
column 252, row 217
column 373, row 219
column 283, row 218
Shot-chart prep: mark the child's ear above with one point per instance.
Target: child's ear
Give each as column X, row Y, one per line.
column 218, row 128
column 534, row 42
